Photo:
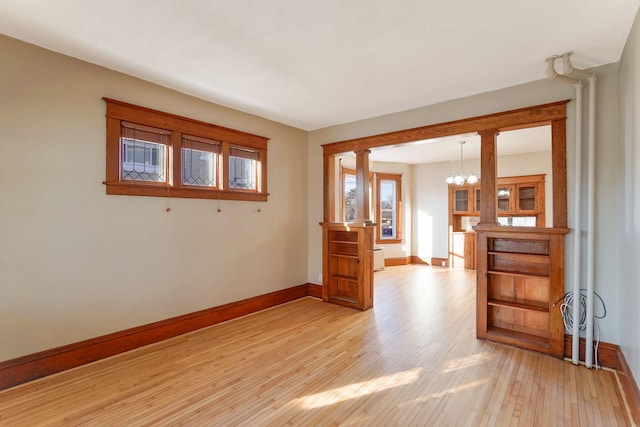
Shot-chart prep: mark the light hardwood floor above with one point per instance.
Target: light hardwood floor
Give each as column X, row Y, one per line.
column 411, row 360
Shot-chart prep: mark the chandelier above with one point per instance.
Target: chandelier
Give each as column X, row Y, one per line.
column 461, row 177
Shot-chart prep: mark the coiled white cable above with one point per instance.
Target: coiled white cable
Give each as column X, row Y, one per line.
column 567, row 317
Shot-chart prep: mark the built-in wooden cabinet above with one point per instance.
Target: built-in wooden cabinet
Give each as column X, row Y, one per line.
column 520, row 277
column 528, row 199
column 348, row 267
column 517, row 196
column 461, row 200
column 505, row 198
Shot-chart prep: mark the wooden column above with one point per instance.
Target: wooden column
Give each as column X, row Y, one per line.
column 489, row 176
column 329, row 188
column 362, row 214
column 559, row 171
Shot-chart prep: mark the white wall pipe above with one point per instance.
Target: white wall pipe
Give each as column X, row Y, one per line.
column 588, row 361
column 577, row 234
column 576, row 79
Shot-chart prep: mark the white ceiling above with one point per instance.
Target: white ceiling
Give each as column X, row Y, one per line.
column 317, row 63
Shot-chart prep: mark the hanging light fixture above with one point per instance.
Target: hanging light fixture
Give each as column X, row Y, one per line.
column 462, row 176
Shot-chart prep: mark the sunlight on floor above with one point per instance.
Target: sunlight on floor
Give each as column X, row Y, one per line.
column 443, row 393
column 466, row 362
column 353, row 391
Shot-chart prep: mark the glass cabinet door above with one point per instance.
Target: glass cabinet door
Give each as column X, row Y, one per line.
column 505, row 198
column 476, row 207
column 527, row 198
column 461, row 200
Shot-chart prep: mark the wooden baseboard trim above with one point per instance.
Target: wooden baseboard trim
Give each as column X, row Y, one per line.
column 390, row 262
column 315, row 290
column 608, row 354
column 630, row 387
column 438, row 262
column 48, row 362
column 418, row 260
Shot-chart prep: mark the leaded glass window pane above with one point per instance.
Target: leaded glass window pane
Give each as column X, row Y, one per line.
column 199, row 161
column 143, row 161
column 243, row 168
column 144, row 153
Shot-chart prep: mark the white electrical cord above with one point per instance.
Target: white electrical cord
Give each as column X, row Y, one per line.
column 567, row 317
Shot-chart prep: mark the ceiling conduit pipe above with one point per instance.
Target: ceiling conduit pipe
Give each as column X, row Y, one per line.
column 577, row 84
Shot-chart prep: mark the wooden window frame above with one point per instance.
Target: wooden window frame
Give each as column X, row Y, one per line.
column 398, row 180
column 119, row 112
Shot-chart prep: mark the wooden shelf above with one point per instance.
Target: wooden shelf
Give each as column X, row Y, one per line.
column 346, row 242
column 515, row 337
column 345, row 299
column 514, row 255
column 515, row 274
column 343, row 277
column 340, row 255
column 542, row 307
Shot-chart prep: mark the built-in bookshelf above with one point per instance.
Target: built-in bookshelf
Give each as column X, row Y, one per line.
column 520, row 277
column 348, row 266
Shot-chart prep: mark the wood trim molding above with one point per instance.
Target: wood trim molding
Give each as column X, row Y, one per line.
column 436, row 262
column 524, row 117
column 630, row 387
column 315, row 290
column 608, row 354
column 48, row 362
column 125, row 111
column 390, row 262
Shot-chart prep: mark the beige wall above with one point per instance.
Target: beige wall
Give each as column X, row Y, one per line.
column 628, row 217
column 534, row 93
column 431, row 193
column 76, row 263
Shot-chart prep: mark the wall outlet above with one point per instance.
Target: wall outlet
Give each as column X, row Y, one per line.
column 443, row 263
